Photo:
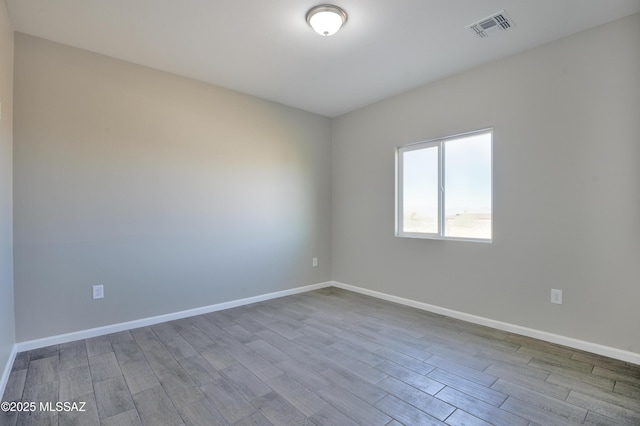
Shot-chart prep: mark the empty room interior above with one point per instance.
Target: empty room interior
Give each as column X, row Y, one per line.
column 279, row 213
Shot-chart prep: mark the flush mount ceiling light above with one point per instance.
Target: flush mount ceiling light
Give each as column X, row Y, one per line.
column 326, row 19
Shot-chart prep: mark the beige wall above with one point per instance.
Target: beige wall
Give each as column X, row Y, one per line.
column 171, row 193
column 7, row 335
column 566, row 120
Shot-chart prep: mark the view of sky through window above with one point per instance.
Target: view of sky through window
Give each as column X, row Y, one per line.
column 466, row 186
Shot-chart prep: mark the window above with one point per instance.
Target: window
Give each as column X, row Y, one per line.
column 444, row 188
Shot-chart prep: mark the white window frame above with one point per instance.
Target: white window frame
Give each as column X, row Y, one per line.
column 439, row 143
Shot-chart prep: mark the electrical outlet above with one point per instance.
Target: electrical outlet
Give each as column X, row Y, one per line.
column 98, row 292
column 556, row 296
column 314, row 261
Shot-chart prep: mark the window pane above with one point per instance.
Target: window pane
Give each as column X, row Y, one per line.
column 420, row 190
column 467, row 183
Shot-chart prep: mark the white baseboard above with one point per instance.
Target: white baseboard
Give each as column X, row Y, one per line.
column 4, row 379
column 595, row 348
column 129, row 325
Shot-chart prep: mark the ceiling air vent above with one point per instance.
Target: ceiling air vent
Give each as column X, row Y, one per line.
column 497, row 21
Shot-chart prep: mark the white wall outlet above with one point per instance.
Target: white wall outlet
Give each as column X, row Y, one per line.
column 556, row 296
column 98, row 292
column 314, row 261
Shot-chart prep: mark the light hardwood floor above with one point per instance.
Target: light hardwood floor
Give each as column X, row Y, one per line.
column 325, row 357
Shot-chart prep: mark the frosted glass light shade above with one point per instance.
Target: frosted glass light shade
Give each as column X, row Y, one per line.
column 326, row 19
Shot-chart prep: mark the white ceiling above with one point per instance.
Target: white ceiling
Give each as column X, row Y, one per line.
column 265, row 48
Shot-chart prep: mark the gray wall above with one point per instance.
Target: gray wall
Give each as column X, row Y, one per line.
column 566, row 120
column 7, row 330
column 171, row 193
column 176, row 194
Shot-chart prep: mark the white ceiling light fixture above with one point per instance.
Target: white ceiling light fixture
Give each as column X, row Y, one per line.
column 326, row 19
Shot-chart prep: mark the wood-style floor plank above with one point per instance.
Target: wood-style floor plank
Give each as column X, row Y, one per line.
column 327, row 357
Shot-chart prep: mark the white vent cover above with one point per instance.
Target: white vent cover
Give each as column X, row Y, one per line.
column 497, row 21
